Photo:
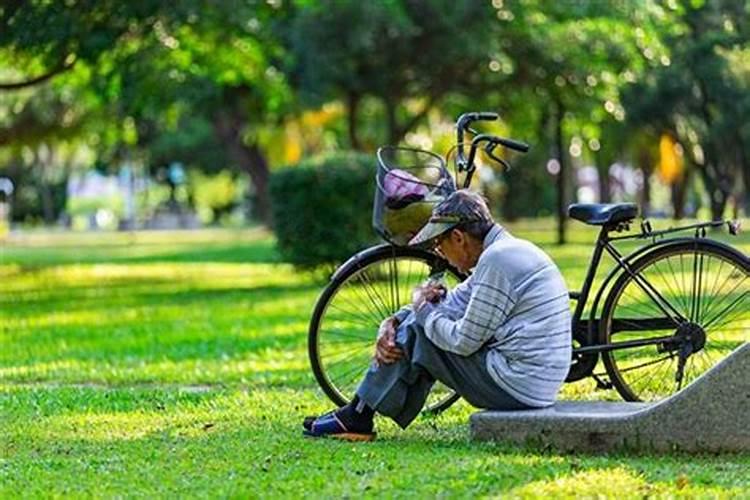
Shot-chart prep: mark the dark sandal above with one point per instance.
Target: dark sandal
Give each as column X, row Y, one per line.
column 330, row 426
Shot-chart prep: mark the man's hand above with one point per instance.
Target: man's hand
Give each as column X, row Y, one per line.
column 432, row 292
column 386, row 350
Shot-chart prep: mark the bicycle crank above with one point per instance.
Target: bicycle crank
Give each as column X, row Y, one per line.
column 689, row 339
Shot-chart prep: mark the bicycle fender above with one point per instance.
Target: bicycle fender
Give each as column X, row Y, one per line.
column 357, row 257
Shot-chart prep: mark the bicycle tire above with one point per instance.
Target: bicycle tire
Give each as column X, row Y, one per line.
column 412, row 266
column 719, row 305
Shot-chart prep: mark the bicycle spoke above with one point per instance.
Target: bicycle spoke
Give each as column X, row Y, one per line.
column 720, row 296
column 713, row 318
column 376, row 298
column 649, row 304
column 685, row 304
column 704, row 286
column 357, row 371
column 361, row 296
column 728, row 308
column 714, row 292
column 658, row 299
column 347, row 328
column 347, row 335
column 364, row 318
column 341, row 355
column 695, row 290
column 648, row 363
column 669, row 287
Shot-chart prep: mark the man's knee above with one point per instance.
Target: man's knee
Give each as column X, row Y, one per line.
column 425, row 352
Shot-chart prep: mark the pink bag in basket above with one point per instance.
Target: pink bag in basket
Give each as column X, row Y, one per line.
column 402, row 188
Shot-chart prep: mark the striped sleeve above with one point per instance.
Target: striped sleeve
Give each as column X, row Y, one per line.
column 489, row 304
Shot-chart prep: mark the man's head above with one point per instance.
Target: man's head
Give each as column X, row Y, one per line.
column 457, row 227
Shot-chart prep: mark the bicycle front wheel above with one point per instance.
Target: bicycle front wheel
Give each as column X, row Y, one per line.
column 370, row 287
column 693, row 295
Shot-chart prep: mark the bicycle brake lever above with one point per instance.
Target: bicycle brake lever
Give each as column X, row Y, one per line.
column 489, row 150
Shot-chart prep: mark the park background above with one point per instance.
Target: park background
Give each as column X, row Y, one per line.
column 158, row 274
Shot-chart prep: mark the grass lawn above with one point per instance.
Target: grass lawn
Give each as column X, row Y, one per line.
column 175, row 363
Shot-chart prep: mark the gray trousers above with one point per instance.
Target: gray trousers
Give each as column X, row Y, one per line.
column 399, row 390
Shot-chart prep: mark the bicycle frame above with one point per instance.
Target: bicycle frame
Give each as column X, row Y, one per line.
column 586, row 331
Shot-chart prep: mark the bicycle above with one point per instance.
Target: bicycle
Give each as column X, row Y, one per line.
column 665, row 313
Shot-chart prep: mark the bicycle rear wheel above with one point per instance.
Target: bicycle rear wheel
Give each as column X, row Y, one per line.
column 370, row 287
column 695, row 295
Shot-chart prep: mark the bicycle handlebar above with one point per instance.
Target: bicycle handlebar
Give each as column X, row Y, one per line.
column 519, row 146
column 462, row 124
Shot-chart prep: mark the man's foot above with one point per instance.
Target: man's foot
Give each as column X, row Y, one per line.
column 330, row 425
column 308, row 421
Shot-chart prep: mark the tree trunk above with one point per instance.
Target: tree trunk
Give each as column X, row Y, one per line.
column 352, row 112
column 395, row 130
column 45, row 193
column 743, row 196
column 228, row 127
column 716, row 189
column 718, row 204
column 602, row 167
column 678, row 192
column 562, row 176
column 260, row 174
column 394, row 135
column 48, row 206
column 646, row 164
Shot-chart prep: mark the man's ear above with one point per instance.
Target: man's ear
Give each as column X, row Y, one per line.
column 457, row 236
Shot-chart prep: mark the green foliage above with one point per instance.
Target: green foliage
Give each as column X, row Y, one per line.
column 322, row 208
column 207, row 83
column 699, row 92
column 88, row 206
column 392, row 51
column 529, row 188
column 213, row 195
column 28, row 205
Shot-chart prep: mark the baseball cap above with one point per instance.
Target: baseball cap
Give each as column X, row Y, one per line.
column 460, row 207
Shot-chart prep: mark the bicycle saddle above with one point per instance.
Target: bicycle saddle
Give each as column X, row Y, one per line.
column 601, row 214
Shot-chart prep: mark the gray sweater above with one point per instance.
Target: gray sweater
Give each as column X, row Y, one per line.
column 517, row 303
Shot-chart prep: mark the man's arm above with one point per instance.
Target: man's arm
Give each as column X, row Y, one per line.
column 455, row 299
column 489, row 304
column 402, row 313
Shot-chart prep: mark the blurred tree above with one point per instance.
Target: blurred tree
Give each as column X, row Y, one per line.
column 38, row 135
column 153, row 64
column 558, row 70
column 405, row 54
column 699, row 94
column 41, row 40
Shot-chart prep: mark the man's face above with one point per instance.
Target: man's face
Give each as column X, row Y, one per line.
column 458, row 248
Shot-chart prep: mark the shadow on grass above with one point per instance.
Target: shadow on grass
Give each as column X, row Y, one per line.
column 32, row 258
column 143, row 293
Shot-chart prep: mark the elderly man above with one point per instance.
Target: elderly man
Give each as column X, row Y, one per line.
column 501, row 339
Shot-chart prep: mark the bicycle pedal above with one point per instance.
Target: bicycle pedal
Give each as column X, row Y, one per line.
column 602, row 384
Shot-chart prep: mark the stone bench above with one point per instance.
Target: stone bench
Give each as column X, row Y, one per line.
column 710, row 414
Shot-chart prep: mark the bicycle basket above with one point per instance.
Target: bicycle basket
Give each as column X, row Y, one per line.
column 409, row 183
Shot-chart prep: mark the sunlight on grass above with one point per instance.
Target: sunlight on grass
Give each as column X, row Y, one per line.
column 175, row 363
column 616, row 482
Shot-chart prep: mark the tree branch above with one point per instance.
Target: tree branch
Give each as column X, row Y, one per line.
column 60, row 68
column 432, row 99
column 418, row 116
